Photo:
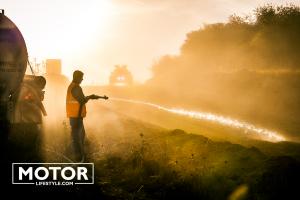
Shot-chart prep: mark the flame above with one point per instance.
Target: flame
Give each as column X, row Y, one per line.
column 227, row 121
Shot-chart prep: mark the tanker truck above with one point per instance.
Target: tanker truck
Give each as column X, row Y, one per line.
column 21, row 96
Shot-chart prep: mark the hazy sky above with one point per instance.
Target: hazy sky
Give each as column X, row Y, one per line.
column 95, row 35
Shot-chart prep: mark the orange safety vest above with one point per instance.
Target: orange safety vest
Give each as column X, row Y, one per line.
column 72, row 105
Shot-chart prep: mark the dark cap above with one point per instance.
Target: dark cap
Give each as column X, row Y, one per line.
column 77, row 75
column 40, row 81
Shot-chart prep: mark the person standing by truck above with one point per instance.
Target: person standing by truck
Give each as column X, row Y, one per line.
column 76, row 111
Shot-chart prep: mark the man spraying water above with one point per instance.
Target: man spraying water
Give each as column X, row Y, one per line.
column 76, row 111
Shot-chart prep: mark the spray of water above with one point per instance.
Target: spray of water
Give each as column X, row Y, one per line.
column 227, row 121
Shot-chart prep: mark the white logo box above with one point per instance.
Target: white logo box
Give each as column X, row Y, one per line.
column 55, row 168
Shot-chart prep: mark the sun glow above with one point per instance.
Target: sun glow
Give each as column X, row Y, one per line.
column 72, row 27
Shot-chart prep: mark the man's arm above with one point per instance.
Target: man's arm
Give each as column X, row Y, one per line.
column 93, row 96
column 78, row 95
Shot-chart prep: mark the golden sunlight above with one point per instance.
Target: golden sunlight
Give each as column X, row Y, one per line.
column 71, row 28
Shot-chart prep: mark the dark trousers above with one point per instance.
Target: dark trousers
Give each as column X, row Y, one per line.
column 78, row 135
